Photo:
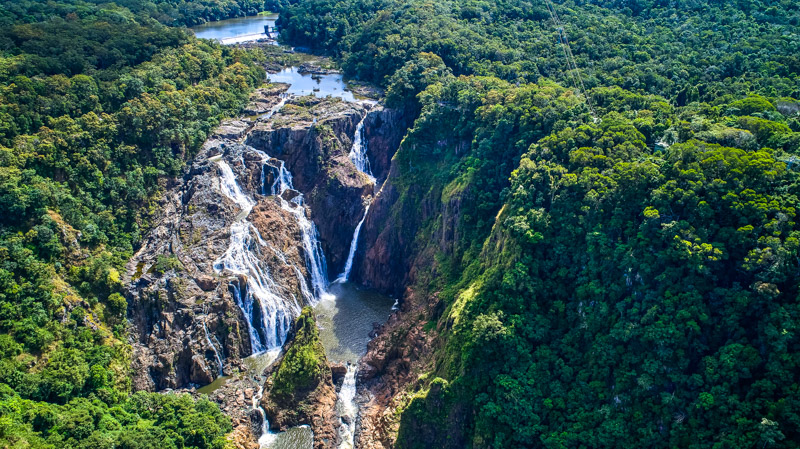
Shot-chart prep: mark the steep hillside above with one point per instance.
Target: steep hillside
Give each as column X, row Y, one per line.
column 611, row 263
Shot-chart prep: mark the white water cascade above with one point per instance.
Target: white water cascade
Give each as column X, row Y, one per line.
column 258, row 364
column 211, row 343
column 315, row 258
column 353, row 247
column 347, row 408
column 358, row 152
column 276, row 108
column 266, row 437
column 358, row 155
column 257, row 298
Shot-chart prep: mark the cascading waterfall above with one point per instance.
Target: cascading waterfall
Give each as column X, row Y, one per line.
column 268, row 358
column 347, row 408
column 265, row 435
column 353, row 247
column 315, row 258
column 358, row 152
column 276, row 108
column 242, row 258
column 358, row 155
column 210, row 343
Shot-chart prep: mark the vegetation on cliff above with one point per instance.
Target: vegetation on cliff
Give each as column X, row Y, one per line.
column 99, row 105
column 300, row 388
column 303, row 369
column 625, row 271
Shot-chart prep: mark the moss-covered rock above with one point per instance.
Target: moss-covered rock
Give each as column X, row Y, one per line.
column 304, row 367
column 300, row 388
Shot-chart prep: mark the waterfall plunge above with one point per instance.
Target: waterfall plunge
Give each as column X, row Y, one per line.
column 358, row 152
column 358, row 155
column 315, row 258
column 353, row 247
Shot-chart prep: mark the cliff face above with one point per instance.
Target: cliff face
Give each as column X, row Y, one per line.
column 384, row 129
column 300, row 388
column 413, row 222
column 182, row 310
column 189, row 323
column 187, row 326
column 314, row 139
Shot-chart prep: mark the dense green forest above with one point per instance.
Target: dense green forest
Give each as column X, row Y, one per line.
column 167, row 12
column 626, row 271
column 99, row 105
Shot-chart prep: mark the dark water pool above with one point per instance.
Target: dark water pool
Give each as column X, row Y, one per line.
column 347, row 321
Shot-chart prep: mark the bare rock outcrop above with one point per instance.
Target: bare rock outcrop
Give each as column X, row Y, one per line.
column 384, row 129
column 313, row 137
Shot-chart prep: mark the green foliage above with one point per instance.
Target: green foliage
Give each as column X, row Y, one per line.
column 143, row 421
column 99, row 104
column 667, row 48
column 304, row 364
column 167, row 263
column 167, row 12
column 634, row 289
column 626, row 278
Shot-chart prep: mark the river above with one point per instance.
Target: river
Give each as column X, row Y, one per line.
column 233, row 31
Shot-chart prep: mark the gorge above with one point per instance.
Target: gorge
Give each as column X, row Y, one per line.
column 277, row 202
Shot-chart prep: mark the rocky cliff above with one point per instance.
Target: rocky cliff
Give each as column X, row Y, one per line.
column 187, row 326
column 384, row 129
column 190, row 322
column 314, row 137
column 413, row 222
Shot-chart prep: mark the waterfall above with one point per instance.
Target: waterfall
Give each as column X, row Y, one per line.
column 358, row 155
column 347, row 408
column 210, row 343
column 257, row 365
column 353, row 246
column 266, row 437
column 268, row 323
column 315, row 258
column 358, row 152
column 276, row 108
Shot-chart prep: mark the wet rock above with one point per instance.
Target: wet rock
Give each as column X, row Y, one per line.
column 265, row 99
column 182, row 312
column 401, row 348
column 338, row 371
column 206, row 283
column 171, row 312
column 314, row 139
column 290, row 194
